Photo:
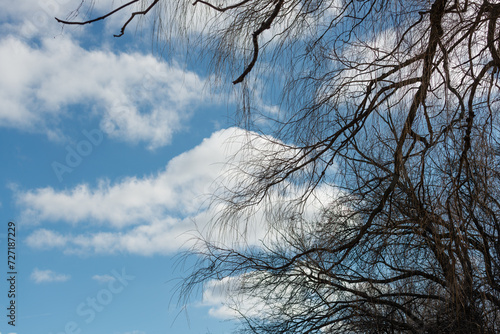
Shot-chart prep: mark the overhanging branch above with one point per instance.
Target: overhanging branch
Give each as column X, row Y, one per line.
column 122, row 30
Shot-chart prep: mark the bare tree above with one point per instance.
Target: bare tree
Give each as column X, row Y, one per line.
column 390, row 110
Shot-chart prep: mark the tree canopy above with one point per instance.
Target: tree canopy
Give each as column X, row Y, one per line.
column 388, row 115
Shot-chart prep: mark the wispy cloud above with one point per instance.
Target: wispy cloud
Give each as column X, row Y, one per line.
column 35, row 18
column 138, row 215
column 145, row 215
column 222, row 297
column 45, row 276
column 137, row 98
column 179, row 191
column 103, row 278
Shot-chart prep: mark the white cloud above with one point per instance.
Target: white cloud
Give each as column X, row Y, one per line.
column 30, row 18
column 160, row 237
column 180, row 189
column 216, row 296
column 137, row 97
column 43, row 276
column 148, row 215
column 43, row 238
column 158, row 213
column 36, row 18
column 103, row 278
column 224, row 297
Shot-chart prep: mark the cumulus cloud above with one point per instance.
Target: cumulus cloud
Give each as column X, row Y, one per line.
column 160, row 237
column 158, row 213
column 139, row 215
column 137, row 97
column 45, row 276
column 177, row 190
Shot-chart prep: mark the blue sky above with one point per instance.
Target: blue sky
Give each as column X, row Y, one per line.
column 108, row 155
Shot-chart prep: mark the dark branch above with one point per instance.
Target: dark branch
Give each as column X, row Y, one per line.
column 255, row 36
column 122, row 30
column 99, row 18
column 221, row 9
column 143, row 12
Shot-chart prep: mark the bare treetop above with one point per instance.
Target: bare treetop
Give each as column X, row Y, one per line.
column 390, row 110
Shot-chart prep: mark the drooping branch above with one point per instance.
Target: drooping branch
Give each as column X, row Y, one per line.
column 255, row 39
column 387, row 104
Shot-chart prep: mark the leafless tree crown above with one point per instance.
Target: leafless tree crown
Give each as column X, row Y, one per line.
column 388, row 109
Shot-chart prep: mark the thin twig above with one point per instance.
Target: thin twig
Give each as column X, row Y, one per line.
column 144, row 12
